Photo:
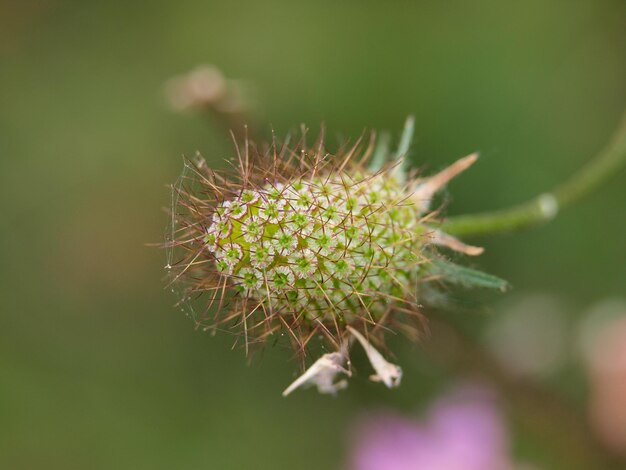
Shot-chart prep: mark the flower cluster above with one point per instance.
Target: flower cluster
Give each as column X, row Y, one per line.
column 302, row 243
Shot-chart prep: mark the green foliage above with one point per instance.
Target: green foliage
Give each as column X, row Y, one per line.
column 466, row 277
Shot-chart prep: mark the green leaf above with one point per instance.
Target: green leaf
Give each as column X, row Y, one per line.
column 407, row 138
column 466, row 276
column 381, row 152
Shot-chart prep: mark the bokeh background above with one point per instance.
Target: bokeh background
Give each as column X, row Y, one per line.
column 99, row 370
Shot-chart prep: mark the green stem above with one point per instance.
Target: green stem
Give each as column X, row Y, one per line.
column 545, row 207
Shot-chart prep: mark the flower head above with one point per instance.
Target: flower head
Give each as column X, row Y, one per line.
column 309, row 244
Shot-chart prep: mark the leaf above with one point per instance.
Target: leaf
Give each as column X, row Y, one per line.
column 407, row 138
column 468, row 277
column 381, row 153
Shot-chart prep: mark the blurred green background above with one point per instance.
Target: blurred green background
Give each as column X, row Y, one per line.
column 98, row 369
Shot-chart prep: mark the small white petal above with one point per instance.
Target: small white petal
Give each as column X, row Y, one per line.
column 386, row 372
column 322, row 374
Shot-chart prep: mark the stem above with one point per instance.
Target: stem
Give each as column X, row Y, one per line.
column 545, row 207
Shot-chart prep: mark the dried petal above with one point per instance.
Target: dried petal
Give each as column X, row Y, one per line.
column 322, row 374
column 386, row 372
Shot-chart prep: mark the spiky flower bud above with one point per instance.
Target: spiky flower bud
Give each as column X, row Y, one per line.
column 303, row 242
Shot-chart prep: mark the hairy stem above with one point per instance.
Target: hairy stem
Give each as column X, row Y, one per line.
column 545, row 207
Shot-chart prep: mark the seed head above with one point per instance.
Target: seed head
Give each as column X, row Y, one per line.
column 300, row 242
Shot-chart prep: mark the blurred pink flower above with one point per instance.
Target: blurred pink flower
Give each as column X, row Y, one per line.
column 604, row 348
column 462, row 431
